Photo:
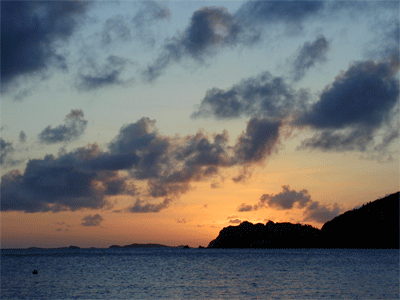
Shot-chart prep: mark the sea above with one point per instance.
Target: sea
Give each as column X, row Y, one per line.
column 176, row 273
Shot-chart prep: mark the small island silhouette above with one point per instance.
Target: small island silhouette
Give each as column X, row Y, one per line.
column 374, row 225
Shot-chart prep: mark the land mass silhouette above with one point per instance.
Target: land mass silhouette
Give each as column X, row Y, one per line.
column 374, row 225
column 139, row 246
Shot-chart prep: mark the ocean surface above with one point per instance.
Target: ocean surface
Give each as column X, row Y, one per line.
column 173, row 273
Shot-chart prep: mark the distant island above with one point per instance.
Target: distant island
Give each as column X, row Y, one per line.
column 374, row 225
column 149, row 246
column 139, row 246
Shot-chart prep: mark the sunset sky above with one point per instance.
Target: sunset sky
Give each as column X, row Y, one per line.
column 163, row 122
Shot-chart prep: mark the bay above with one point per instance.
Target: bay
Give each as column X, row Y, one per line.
column 174, row 273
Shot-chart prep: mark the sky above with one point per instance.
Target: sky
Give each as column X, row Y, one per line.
column 165, row 121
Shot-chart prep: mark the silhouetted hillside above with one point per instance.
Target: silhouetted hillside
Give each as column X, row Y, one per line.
column 271, row 235
column 375, row 225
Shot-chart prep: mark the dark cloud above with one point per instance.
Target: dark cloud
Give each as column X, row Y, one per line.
column 29, row 30
column 7, row 150
column 213, row 28
column 142, row 141
column 198, row 150
column 258, row 142
column 310, row 54
column 350, row 110
column 244, row 207
column 22, row 137
column 343, row 140
column 264, row 95
column 92, row 220
column 286, row 199
column 181, row 221
column 346, row 116
column 210, row 28
column 139, row 207
column 290, row 199
column 63, row 183
column 94, row 76
column 163, row 167
column 74, row 127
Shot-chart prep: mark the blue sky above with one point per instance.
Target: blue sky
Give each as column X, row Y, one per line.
column 150, row 110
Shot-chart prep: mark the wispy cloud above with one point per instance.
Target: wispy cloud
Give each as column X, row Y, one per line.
column 308, row 55
column 74, row 127
column 92, row 220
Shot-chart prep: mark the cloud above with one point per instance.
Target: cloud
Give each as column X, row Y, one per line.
column 74, row 127
column 139, row 207
column 322, row 213
column 350, row 110
column 214, row 28
column 93, row 76
column 256, row 14
column 258, row 142
column 263, row 95
column 6, row 153
column 115, row 28
column 244, row 207
column 123, row 29
column 22, row 137
column 346, row 116
column 210, row 28
column 169, row 165
column 92, row 220
column 163, row 167
column 286, row 199
column 290, row 199
column 385, row 44
column 235, row 221
column 310, row 54
column 29, row 31
column 150, row 12
column 62, row 183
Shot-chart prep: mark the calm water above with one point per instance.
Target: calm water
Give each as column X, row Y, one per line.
column 200, row 274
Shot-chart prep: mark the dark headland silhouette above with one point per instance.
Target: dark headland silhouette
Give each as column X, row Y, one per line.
column 374, row 225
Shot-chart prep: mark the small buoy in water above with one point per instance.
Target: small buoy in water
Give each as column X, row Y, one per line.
column 34, row 272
